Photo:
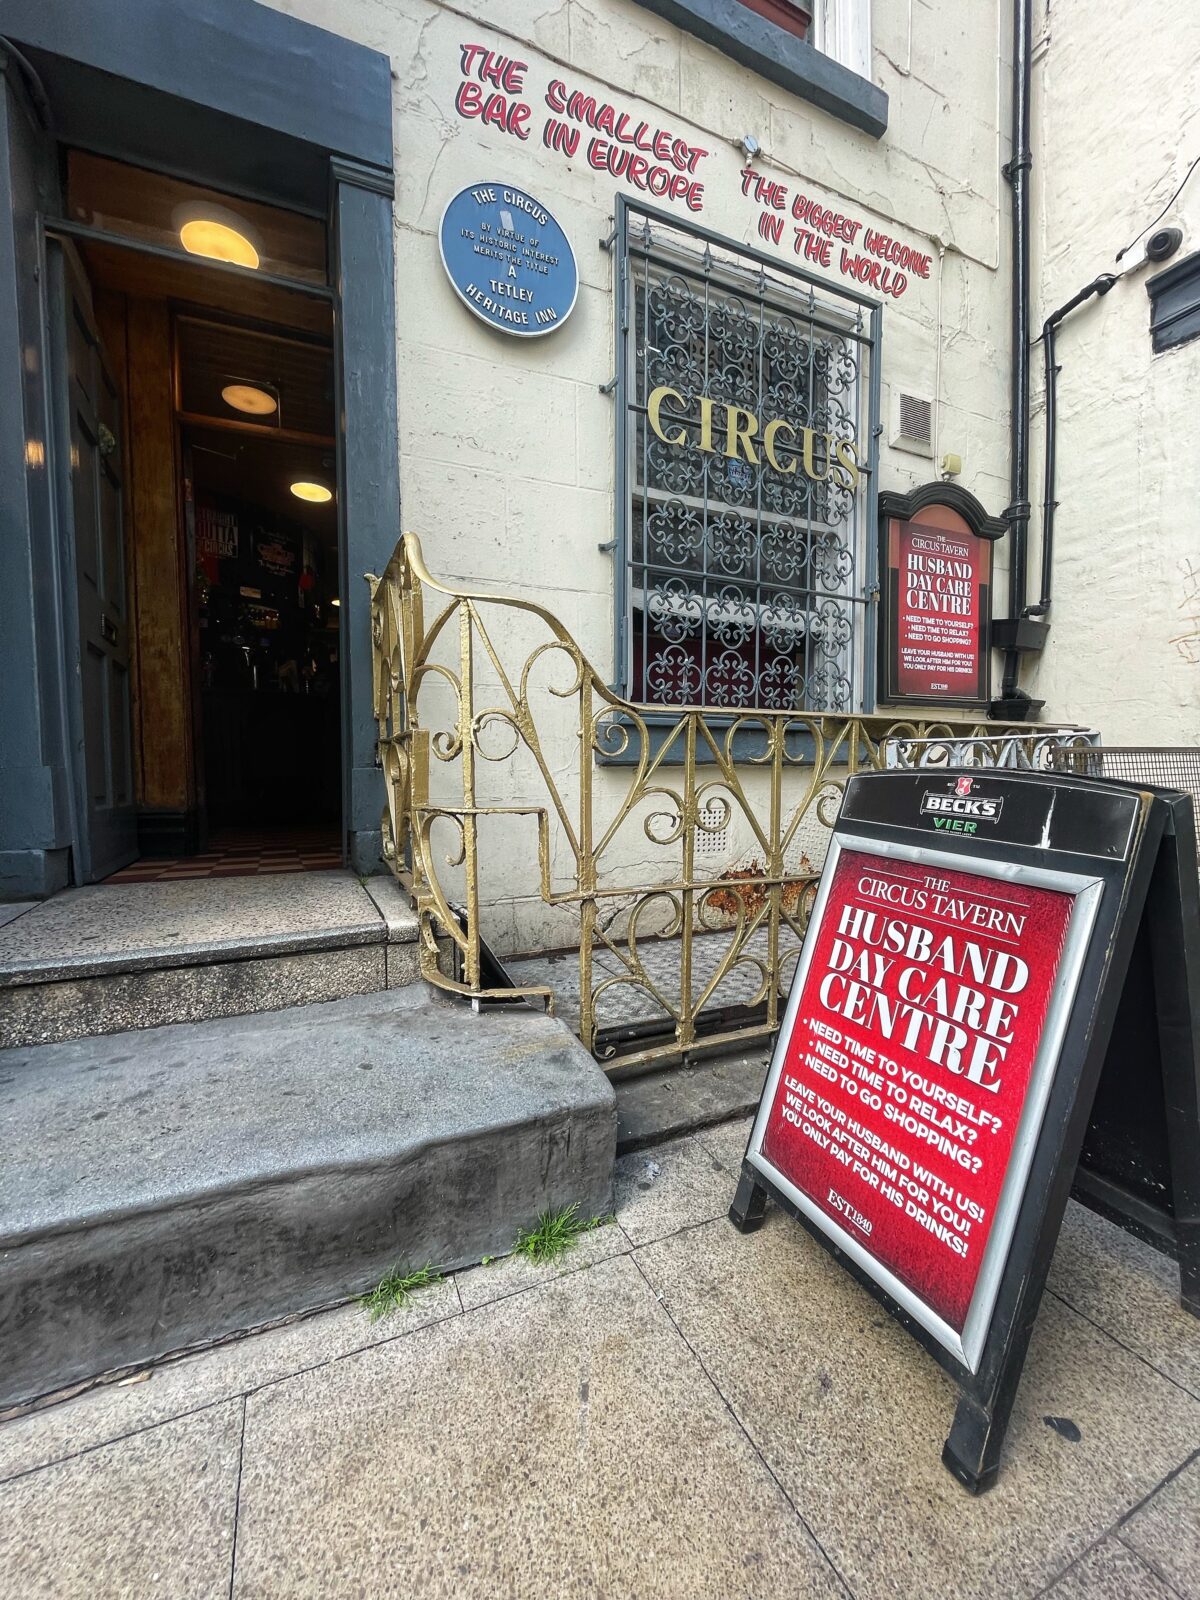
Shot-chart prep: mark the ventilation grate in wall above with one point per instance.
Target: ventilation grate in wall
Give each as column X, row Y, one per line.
column 913, row 425
column 716, row 843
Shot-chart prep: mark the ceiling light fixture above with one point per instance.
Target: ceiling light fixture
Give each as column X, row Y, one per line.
column 249, row 398
column 220, row 235
column 317, row 493
column 335, row 601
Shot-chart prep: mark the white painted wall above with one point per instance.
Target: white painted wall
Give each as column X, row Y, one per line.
column 507, row 448
column 1117, row 122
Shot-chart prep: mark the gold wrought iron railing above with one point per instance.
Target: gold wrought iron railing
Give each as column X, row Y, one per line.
column 501, row 747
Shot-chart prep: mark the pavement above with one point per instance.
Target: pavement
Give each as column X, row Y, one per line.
column 672, row 1410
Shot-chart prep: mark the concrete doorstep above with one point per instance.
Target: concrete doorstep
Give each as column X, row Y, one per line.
column 172, row 1185
column 113, row 957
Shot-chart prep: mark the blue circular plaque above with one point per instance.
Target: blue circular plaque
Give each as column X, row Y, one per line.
column 508, row 259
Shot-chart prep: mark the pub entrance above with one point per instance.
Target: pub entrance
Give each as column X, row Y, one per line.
column 196, row 472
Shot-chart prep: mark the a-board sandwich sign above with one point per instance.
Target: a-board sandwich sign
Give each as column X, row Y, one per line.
column 1140, row 1162
column 931, row 1086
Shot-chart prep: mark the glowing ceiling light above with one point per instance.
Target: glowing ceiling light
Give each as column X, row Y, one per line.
column 335, row 601
column 245, row 397
column 219, row 237
column 316, row 492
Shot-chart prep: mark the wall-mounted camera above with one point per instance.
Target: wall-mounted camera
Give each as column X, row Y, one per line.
column 1163, row 243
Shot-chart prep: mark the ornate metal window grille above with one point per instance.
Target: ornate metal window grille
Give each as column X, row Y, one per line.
column 743, row 585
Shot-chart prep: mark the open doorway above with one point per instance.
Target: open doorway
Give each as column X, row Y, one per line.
column 210, row 318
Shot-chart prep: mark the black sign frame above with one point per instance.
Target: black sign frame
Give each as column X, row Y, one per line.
column 1166, row 1211
column 1115, row 832
column 897, row 507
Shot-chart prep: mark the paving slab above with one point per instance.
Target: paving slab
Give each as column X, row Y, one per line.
column 13, row 909
column 672, row 1186
column 1130, row 1290
column 149, row 1515
column 557, row 1443
column 1110, row 1572
column 852, row 1416
column 727, row 1143
column 175, row 1388
column 165, row 1187
column 515, row 1274
column 663, row 1105
column 130, row 927
column 1165, row 1533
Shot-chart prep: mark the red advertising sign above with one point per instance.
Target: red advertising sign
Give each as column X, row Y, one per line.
column 909, row 1061
column 938, row 615
column 936, row 562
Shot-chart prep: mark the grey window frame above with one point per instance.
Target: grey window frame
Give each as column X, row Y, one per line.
column 629, row 213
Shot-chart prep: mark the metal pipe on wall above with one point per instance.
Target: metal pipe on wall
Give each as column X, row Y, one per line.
column 1098, row 286
column 1016, row 171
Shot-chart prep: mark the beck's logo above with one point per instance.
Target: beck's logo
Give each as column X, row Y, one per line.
column 960, row 810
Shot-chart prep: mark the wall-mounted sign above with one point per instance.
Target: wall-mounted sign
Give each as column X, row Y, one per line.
column 935, row 565
column 276, row 554
column 216, row 536
column 509, row 260
column 928, row 1097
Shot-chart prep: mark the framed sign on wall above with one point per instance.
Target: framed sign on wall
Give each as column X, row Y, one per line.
column 509, row 261
column 935, row 563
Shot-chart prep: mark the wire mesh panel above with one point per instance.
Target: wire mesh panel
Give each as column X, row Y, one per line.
column 1164, row 766
column 745, row 397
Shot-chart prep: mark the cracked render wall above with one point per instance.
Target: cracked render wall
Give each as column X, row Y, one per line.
column 507, row 447
column 1115, row 130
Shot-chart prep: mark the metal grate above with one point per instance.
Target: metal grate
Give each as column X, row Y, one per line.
column 712, row 836
column 1164, row 766
column 746, row 457
column 916, row 419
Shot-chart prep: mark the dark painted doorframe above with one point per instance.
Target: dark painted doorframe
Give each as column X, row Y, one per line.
column 272, row 103
column 368, row 468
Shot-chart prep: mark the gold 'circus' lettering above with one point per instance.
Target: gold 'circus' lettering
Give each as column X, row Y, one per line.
column 786, row 448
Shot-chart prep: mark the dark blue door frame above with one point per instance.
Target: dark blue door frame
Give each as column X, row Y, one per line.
column 240, row 97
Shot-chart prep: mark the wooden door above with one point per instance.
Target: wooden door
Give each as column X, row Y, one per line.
column 90, row 491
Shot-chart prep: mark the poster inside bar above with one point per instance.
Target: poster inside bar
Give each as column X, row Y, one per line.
column 912, row 1044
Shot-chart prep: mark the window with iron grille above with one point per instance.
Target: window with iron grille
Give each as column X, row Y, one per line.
column 746, row 445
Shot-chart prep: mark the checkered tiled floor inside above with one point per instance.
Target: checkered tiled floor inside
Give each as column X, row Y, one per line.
column 242, row 854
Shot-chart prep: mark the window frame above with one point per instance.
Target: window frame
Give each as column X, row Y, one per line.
column 841, row 30
column 864, row 596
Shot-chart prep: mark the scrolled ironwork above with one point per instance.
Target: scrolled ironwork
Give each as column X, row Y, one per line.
column 623, row 850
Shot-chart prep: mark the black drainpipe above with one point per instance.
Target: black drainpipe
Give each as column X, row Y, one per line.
column 1098, row 286
column 1017, row 632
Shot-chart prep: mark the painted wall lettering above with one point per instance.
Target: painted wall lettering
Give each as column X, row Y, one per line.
column 878, row 261
column 630, row 149
column 491, row 89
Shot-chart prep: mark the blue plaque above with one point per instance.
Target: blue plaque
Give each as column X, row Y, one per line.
column 508, row 259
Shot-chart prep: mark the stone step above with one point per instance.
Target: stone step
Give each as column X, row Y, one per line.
column 170, row 1186
column 113, row 957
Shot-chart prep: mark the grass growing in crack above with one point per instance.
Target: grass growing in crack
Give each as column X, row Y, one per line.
column 554, row 1234
column 395, row 1289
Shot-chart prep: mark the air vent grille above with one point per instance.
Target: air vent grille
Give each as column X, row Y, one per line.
column 916, row 418
column 716, row 841
column 913, row 424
